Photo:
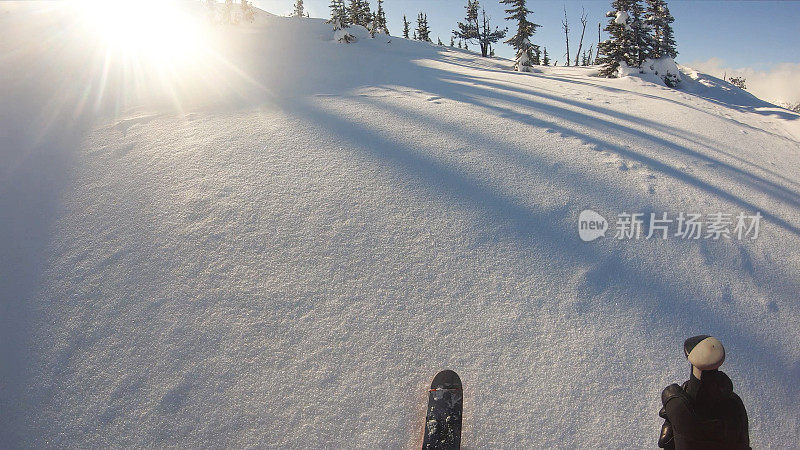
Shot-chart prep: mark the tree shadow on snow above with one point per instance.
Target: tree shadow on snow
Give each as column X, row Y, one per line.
column 545, row 229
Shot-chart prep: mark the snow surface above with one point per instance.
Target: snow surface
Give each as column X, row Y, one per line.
column 653, row 70
column 281, row 245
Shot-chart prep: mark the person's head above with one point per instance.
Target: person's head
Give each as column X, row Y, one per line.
column 704, row 353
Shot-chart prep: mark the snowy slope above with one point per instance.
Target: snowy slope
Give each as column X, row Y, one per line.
column 280, row 244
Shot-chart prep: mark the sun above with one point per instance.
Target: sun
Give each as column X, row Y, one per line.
column 146, row 29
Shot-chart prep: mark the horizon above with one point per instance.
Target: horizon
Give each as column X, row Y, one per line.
column 768, row 59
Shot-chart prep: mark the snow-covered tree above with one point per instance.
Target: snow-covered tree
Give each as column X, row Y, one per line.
column 521, row 43
column 341, row 33
column 475, row 28
column 619, row 48
column 439, row 42
column 452, row 42
column 524, row 61
column 660, row 21
column 545, row 58
column 422, row 32
column 406, row 26
column 299, row 11
column 642, row 39
column 339, row 13
column 740, row 82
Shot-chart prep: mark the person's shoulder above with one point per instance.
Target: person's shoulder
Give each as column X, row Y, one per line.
column 723, row 382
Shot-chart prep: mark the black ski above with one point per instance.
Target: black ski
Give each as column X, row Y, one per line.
column 443, row 418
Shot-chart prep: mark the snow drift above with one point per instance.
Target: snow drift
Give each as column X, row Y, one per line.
column 278, row 244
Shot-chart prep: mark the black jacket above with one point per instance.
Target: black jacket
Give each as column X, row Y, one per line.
column 703, row 414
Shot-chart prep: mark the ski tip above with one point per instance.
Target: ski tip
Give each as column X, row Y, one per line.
column 446, row 379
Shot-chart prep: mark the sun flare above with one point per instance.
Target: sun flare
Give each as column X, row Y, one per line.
column 147, row 29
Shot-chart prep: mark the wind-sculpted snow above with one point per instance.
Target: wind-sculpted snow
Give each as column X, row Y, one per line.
column 280, row 250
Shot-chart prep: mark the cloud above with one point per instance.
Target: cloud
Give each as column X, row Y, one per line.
column 780, row 84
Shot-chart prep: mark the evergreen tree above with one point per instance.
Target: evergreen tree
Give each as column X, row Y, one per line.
column 642, row 40
column 380, row 19
column 405, row 27
column 452, row 42
column 478, row 29
column 248, row 12
column 227, row 12
column 659, row 19
column 468, row 29
column 339, row 13
column 489, row 36
column 372, row 26
column 423, row 32
column 366, row 13
column 439, row 43
column 356, row 13
column 620, row 47
column 740, row 82
column 459, row 43
column 298, row 8
column 525, row 29
column 545, row 58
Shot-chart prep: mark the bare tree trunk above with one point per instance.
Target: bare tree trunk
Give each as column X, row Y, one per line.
column 580, row 44
column 565, row 26
column 598, row 42
column 484, row 43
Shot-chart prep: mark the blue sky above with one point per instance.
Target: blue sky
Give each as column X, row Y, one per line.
column 755, row 34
